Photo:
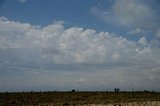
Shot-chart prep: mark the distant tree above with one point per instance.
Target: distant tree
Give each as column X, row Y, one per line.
column 116, row 89
column 132, row 90
column 153, row 91
column 31, row 91
column 146, row 91
column 73, row 90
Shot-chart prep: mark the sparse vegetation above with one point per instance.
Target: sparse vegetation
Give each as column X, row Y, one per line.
column 74, row 98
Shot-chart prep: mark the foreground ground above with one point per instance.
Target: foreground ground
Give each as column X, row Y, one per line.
column 80, row 98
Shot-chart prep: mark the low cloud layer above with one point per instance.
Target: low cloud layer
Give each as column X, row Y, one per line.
column 55, row 57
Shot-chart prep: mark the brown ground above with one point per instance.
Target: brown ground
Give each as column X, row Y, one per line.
column 79, row 98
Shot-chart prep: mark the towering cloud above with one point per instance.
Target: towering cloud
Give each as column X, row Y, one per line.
column 75, row 55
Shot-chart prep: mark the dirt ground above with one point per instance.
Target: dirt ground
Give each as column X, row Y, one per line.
column 148, row 103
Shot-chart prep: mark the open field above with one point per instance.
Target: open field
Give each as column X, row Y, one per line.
column 80, row 99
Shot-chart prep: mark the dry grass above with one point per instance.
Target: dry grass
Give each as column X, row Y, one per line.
column 74, row 98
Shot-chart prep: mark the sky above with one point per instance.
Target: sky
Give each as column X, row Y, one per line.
column 79, row 44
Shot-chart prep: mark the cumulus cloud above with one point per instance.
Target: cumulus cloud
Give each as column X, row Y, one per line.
column 63, row 57
column 142, row 41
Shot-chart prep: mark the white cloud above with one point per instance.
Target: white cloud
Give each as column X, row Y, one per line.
column 3, row 19
column 146, row 50
column 22, row 1
column 136, row 31
column 134, row 13
column 138, row 15
column 80, row 80
column 61, row 56
column 143, row 41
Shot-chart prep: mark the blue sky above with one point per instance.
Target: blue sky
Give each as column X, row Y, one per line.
column 79, row 44
column 73, row 12
column 45, row 11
